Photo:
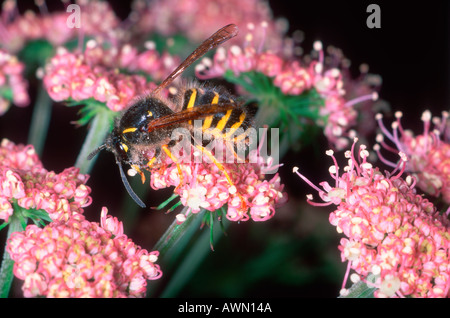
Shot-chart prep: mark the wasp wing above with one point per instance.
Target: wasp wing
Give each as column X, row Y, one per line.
column 197, row 112
column 224, row 34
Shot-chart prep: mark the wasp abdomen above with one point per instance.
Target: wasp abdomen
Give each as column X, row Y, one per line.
column 223, row 123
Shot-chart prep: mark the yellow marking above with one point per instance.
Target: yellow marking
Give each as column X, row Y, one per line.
column 221, row 125
column 192, row 98
column 208, row 120
column 132, row 129
column 235, row 126
column 151, row 161
column 171, row 156
column 215, row 99
column 149, row 114
column 125, row 147
column 241, row 136
column 192, row 101
column 221, row 168
column 135, row 167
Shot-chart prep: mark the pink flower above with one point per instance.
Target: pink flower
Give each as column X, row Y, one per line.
column 128, row 57
column 239, row 59
column 170, row 17
column 429, row 156
column 111, row 224
column 391, row 232
column 11, row 78
column 294, row 80
column 344, row 97
column 78, row 258
column 204, row 186
column 17, row 30
column 6, row 209
column 23, row 178
column 269, row 64
column 72, row 76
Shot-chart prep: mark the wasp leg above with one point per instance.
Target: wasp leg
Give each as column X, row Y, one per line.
column 238, row 140
column 174, row 159
column 233, row 148
column 224, row 171
column 151, row 162
column 155, row 156
column 135, row 167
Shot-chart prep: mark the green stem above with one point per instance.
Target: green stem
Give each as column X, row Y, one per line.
column 171, row 247
column 175, row 231
column 268, row 115
column 192, row 250
column 40, row 120
column 6, row 269
column 99, row 129
column 190, row 263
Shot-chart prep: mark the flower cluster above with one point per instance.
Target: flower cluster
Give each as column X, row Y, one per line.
column 24, row 180
column 196, row 18
column 12, row 83
column 78, row 258
column 68, row 76
column 391, row 232
column 129, row 59
column 204, row 185
column 17, row 29
column 429, row 156
column 294, row 77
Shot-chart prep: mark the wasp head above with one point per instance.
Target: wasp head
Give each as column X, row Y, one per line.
column 115, row 144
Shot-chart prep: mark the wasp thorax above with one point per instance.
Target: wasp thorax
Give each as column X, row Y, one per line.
column 134, row 124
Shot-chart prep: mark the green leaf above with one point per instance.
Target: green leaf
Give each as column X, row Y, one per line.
column 4, row 225
column 35, row 54
column 295, row 115
column 6, row 93
column 37, row 216
column 6, row 269
column 92, row 107
column 165, row 203
column 103, row 119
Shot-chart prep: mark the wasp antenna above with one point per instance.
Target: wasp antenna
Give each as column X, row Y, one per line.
column 128, row 187
column 96, row 151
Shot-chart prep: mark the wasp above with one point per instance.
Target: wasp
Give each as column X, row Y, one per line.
column 143, row 132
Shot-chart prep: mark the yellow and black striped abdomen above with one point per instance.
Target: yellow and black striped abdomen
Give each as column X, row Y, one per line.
column 221, row 124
